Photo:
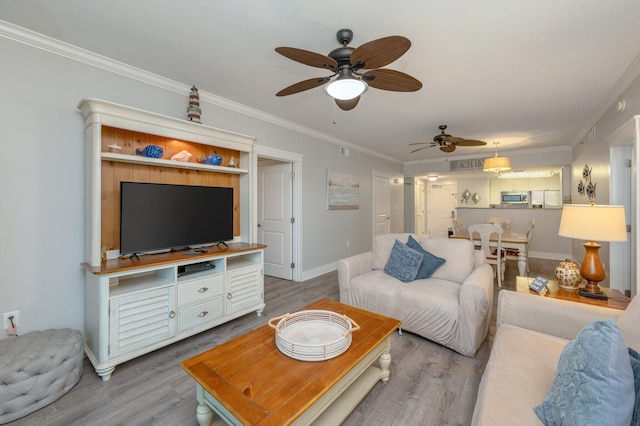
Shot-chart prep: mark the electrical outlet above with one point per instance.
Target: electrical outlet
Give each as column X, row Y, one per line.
column 348, row 243
column 5, row 319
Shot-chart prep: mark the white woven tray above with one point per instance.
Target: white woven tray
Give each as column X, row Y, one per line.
column 313, row 335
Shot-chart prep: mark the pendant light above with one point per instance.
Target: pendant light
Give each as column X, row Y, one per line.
column 496, row 164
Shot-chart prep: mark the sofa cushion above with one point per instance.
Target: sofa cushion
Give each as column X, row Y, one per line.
column 502, row 397
column 459, row 254
column 594, row 380
column 628, row 322
column 430, row 263
column 635, row 366
column 403, row 263
column 382, row 245
column 428, row 307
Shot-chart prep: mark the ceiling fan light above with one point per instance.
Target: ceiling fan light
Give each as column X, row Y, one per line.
column 497, row 164
column 345, row 88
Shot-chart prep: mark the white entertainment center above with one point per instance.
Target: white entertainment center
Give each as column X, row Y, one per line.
column 134, row 306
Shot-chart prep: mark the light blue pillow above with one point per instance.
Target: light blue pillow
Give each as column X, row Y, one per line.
column 594, row 380
column 430, row 262
column 403, row 262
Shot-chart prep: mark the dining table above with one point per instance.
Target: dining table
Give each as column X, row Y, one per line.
column 515, row 242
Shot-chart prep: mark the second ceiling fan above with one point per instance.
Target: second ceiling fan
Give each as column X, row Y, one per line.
column 349, row 64
column 446, row 142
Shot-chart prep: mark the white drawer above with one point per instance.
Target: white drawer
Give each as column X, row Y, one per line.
column 200, row 290
column 200, row 314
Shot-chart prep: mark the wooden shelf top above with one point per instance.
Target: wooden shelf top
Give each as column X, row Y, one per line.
column 169, row 259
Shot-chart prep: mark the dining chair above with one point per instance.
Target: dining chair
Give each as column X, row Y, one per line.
column 457, row 225
column 484, row 232
column 512, row 254
column 505, row 222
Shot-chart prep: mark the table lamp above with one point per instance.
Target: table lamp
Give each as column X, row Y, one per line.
column 590, row 222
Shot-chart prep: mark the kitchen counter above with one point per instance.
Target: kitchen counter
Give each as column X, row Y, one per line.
column 506, row 207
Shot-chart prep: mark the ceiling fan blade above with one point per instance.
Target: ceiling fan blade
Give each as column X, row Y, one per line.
column 423, row 143
column 470, row 142
column 395, row 81
column 416, row 150
column 349, row 104
column 308, row 58
column 302, row 86
column 448, row 148
column 380, row 52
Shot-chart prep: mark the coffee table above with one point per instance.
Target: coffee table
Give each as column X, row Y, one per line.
column 249, row 381
column 616, row 300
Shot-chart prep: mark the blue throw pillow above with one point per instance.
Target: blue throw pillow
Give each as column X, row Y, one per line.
column 635, row 366
column 403, row 262
column 430, row 263
column 594, row 380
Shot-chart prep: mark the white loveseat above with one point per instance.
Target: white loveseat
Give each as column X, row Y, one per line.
column 452, row 307
column 532, row 332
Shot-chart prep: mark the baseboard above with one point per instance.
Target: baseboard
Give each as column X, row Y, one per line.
column 316, row 272
column 548, row 255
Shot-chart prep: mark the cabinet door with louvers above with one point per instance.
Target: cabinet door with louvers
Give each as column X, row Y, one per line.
column 141, row 319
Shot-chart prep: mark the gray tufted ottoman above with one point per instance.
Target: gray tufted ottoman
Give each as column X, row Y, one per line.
column 36, row 369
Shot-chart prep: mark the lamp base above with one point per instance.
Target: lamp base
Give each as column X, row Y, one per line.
column 585, row 293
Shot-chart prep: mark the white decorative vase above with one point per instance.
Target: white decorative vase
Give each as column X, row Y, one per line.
column 568, row 275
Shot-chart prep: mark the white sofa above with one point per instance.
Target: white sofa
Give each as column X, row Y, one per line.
column 532, row 331
column 452, row 307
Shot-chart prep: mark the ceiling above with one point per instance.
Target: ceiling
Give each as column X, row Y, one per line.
column 527, row 74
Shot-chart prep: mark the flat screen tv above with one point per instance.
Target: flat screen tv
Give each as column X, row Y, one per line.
column 159, row 217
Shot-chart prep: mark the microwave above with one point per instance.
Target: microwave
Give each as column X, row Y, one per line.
column 515, row 197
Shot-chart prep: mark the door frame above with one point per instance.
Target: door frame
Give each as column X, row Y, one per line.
column 295, row 159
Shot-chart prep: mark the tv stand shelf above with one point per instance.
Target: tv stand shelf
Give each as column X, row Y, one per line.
column 136, row 159
column 136, row 306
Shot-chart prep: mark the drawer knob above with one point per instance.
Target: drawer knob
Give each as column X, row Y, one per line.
column 229, row 296
column 203, row 289
column 203, row 314
column 172, row 314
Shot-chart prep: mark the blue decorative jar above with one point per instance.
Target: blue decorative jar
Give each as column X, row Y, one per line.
column 211, row 159
column 151, row 151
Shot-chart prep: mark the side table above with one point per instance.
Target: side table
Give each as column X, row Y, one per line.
column 616, row 300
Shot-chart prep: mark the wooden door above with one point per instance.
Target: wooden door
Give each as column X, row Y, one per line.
column 381, row 207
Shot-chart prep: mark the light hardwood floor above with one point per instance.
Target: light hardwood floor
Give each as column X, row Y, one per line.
column 429, row 385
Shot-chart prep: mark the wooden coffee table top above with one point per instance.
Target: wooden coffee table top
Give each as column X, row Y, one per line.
column 260, row 385
column 617, row 300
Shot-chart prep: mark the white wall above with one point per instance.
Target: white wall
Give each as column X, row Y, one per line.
column 595, row 153
column 42, row 175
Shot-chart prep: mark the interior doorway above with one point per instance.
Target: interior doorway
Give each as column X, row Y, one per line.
column 441, row 208
column 278, row 211
column 420, row 208
column 381, row 204
column 622, row 269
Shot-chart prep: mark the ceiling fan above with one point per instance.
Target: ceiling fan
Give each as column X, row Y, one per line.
column 356, row 68
column 446, row 142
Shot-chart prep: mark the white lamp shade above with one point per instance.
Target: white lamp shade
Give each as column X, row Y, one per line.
column 497, row 164
column 345, row 88
column 593, row 222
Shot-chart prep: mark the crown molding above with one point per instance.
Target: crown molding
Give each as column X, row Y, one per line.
column 629, row 76
column 57, row 47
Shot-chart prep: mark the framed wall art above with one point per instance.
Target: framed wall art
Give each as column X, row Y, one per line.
column 343, row 191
